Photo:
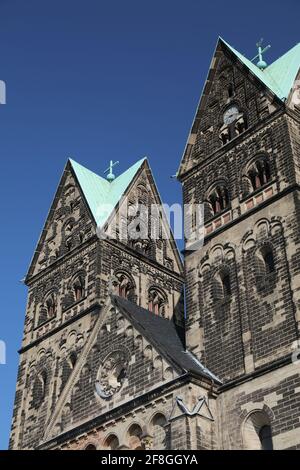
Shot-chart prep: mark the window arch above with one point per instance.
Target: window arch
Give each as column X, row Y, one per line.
column 125, row 286
column 230, row 90
column 257, row 432
column 48, row 308
column 265, row 437
column 158, row 431
column 78, row 286
column 67, row 233
column 134, row 437
column 264, row 262
column 90, row 447
column 68, row 365
column 51, row 306
column 73, row 359
column 218, row 199
column 269, row 260
column 257, row 174
column 112, row 442
column 157, row 301
column 39, row 388
column 222, row 286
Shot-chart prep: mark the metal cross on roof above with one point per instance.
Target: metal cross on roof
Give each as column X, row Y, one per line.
column 261, row 64
column 110, row 176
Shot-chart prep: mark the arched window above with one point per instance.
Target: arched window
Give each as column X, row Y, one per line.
column 134, row 437
column 230, row 91
column 264, row 263
column 125, row 287
column 39, row 388
column 259, row 173
column 73, row 359
column 158, row 431
column 265, row 436
column 90, row 447
column 269, row 261
column 47, row 309
column 51, row 306
column 67, row 367
column 221, row 286
column 67, row 233
column 257, row 432
column 78, row 288
column 156, row 301
column 111, row 443
column 226, row 285
column 219, row 199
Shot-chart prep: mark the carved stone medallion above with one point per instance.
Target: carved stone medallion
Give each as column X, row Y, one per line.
column 112, row 374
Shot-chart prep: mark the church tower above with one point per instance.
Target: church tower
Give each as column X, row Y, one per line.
column 108, row 359
column 241, row 162
column 79, row 340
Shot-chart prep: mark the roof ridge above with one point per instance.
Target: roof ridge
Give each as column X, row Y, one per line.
column 166, row 340
column 278, row 76
column 101, row 194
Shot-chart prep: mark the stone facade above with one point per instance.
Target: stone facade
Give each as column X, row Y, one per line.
column 93, row 375
column 243, row 313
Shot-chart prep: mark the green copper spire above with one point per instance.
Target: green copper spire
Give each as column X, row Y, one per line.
column 101, row 193
column 261, row 64
column 110, row 176
column 280, row 75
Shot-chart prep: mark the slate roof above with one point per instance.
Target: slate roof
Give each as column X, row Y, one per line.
column 279, row 76
column 100, row 194
column 162, row 334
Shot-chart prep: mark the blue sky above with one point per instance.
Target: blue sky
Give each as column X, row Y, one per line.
column 100, row 80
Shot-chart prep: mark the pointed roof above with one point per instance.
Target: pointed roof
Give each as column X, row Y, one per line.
column 279, row 76
column 101, row 196
column 100, row 193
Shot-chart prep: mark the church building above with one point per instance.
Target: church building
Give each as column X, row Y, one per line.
column 126, row 345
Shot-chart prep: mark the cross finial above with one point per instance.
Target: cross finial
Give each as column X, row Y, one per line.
column 261, row 64
column 110, row 176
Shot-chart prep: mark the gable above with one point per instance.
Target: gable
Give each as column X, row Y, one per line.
column 138, row 206
column 68, row 225
column 255, row 93
column 116, row 365
column 85, row 202
column 279, row 76
column 99, row 192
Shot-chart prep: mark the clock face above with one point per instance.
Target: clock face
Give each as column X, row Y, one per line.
column 230, row 115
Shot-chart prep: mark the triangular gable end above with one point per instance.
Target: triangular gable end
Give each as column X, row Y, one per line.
column 94, row 190
column 67, row 180
column 140, row 346
column 279, row 76
column 100, row 193
column 97, row 194
column 145, row 167
column 277, row 80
